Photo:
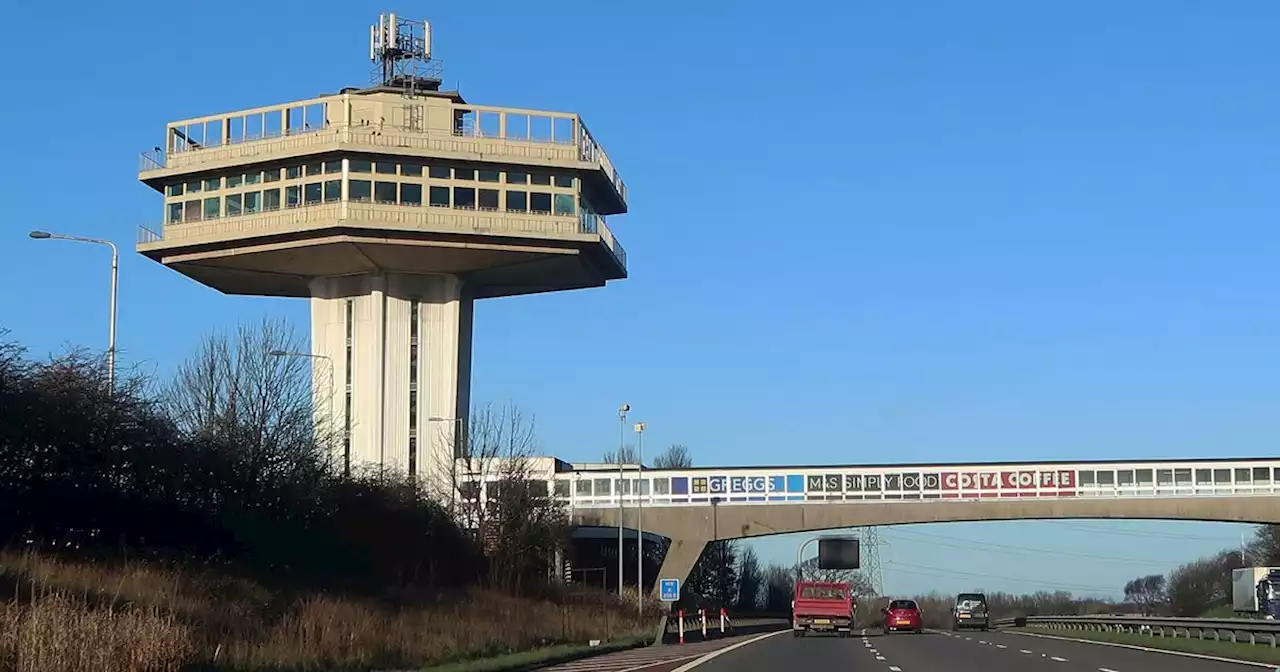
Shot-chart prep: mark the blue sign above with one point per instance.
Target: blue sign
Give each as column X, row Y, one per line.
column 669, row 590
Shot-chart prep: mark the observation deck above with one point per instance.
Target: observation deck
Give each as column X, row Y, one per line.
column 262, row 201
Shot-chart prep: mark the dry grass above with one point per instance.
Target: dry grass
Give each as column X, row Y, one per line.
column 74, row 617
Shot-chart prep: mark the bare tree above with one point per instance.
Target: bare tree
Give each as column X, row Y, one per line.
column 495, row 440
column 751, row 579
column 1147, row 592
column 499, row 494
column 629, row 455
column 235, row 392
column 676, row 456
column 1265, row 547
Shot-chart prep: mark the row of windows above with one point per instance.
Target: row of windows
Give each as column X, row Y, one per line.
column 367, row 166
column 1187, row 476
column 365, row 191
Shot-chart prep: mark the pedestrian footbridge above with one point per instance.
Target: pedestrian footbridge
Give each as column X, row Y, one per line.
column 693, row 506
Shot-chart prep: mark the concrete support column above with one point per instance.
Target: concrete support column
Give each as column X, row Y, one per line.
column 408, row 364
column 681, row 556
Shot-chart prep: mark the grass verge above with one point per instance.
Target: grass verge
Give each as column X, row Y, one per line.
column 553, row 655
column 76, row 616
column 1250, row 652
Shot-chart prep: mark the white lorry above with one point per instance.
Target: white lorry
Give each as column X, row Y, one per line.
column 1255, row 591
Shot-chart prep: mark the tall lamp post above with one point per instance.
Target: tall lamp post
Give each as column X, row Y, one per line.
column 115, row 266
column 326, row 358
column 622, row 433
column 639, row 517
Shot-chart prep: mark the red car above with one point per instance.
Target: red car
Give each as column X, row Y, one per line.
column 902, row 615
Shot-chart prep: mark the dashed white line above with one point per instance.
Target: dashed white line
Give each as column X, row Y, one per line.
column 1060, row 660
column 879, row 657
column 895, row 668
column 1023, row 651
column 1106, row 669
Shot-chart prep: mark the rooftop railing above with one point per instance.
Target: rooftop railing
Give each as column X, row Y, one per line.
column 524, row 144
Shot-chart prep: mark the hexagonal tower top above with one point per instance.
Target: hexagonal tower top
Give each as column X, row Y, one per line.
column 399, row 176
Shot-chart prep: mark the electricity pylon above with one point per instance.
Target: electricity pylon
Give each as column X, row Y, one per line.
column 869, row 542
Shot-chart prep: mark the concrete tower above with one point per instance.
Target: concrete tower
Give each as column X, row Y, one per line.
column 393, row 208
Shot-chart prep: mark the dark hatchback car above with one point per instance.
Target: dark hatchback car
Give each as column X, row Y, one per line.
column 970, row 612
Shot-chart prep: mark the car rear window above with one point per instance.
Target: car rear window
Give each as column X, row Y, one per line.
column 821, row 593
column 902, row 604
column 971, row 601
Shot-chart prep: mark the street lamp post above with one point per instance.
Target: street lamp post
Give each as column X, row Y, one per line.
column 622, row 433
column 715, row 535
column 313, row 356
column 115, row 267
column 639, row 517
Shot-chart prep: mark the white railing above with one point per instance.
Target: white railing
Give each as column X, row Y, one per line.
column 373, row 139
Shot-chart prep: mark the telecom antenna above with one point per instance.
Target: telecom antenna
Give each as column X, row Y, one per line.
column 402, row 49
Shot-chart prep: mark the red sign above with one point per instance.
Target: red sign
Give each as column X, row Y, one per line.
column 1054, row 479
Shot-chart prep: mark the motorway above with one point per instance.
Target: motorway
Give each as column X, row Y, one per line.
column 951, row 652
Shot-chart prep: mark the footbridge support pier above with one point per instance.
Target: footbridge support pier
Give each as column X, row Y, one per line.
column 691, row 527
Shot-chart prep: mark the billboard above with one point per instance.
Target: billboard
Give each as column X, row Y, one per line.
column 838, row 553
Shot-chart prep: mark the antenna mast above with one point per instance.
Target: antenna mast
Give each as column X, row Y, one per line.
column 402, row 49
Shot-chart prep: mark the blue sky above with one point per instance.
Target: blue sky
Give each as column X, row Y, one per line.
column 859, row 231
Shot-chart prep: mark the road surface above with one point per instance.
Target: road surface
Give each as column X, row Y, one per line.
column 950, row 652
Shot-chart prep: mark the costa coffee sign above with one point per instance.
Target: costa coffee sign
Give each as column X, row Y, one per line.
column 1054, row 479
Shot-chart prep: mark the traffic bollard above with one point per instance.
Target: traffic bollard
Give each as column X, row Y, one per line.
column 680, row 618
column 704, row 623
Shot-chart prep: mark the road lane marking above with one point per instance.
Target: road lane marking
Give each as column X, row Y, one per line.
column 895, row 668
column 1023, row 651
column 879, row 657
column 1060, row 660
column 1106, row 669
column 1147, row 649
column 1001, row 646
column 718, row 652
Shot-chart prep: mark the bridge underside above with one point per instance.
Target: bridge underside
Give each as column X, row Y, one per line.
column 690, row 527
